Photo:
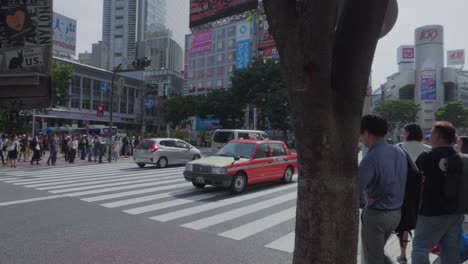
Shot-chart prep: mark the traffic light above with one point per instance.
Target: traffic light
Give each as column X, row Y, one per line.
column 100, row 111
column 141, row 63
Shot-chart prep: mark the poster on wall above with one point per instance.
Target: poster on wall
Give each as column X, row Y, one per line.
column 204, row 11
column 201, row 42
column 243, row 42
column 428, row 85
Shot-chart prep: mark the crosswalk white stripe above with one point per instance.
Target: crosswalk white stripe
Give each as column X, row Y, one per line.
column 285, row 243
column 136, row 192
column 77, row 174
column 112, row 189
column 230, row 215
column 80, row 187
column 64, row 184
column 88, row 176
column 99, row 186
column 32, row 200
column 260, row 225
column 148, row 198
column 66, row 170
column 159, row 206
column 217, row 204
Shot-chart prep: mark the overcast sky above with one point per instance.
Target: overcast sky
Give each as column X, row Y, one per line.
column 452, row 14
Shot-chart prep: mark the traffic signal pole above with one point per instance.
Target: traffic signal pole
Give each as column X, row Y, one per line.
column 111, row 111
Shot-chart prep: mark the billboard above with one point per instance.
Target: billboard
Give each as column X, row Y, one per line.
column 428, row 85
column 64, row 34
column 204, row 11
column 201, row 42
column 405, row 54
column 429, row 34
column 456, row 57
column 243, row 45
column 26, row 52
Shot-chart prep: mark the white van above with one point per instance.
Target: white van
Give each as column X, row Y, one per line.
column 222, row 136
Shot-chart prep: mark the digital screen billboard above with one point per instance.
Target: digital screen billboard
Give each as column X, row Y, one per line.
column 204, row 11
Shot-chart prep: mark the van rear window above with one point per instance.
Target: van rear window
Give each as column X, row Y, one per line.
column 223, row 136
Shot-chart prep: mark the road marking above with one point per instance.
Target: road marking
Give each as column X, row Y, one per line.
column 218, row 204
column 239, row 212
column 74, row 194
column 159, row 206
column 32, row 200
column 136, row 192
column 260, row 225
column 148, row 198
column 285, row 243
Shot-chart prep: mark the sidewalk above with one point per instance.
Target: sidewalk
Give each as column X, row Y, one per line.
column 60, row 163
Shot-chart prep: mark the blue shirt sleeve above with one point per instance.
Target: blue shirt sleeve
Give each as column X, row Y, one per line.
column 366, row 174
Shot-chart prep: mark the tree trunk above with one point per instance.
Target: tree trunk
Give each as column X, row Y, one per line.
column 326, row 68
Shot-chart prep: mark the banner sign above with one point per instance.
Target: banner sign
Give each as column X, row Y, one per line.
column 428, row 85
column 243, row 45
column 405, row 54
column 202, row 42
column 204, row 11
column 26, row 36
column 64, row 34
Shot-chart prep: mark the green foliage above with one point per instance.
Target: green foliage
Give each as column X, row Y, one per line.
column 178, row 109
column 180, row 134
column 62, row 73
column 223, row 104
column 398, row 110
column 453, row 112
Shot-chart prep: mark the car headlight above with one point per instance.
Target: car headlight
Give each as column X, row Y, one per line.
column 189, row 167
column 217, row 170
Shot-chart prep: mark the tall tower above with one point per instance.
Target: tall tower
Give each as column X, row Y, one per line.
column 429, row 89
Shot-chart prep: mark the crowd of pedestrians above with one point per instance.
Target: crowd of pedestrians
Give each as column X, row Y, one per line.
column 383, row 175
column 15, row 149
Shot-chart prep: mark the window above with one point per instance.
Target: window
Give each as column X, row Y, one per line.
column 277, row 150
column 181, row 144
column 119, row 8
column 231, row 56
column 210, row 72
column 118, row 36
column 200, row 74
column 210, row 60
column 209, row 84
column 219, row 58
column 262, row 152
column 168, row 143
column 219, row 83
column 201, row 62
column 231, row 31
column 119, row 17
column 219, row 45
column 230, row 68
column 220, row 71
column 190, row 75
column 223, row 136
column 220, row 34
column 231, row 43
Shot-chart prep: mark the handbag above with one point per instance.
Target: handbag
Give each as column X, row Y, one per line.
column 37, row 147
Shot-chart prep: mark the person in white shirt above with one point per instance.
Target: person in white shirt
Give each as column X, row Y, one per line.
column 73, row 149
column 414, row 146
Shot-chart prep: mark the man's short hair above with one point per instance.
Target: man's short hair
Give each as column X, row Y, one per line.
column 415, row 132
column 375, row 124
column 445, row 130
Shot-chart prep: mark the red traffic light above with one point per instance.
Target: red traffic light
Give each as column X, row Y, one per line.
column 100, row 108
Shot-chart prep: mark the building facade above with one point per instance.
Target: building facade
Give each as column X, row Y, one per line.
column 423, row 76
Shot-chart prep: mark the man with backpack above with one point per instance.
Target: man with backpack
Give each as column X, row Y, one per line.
column 440, row 218
column 382, row 179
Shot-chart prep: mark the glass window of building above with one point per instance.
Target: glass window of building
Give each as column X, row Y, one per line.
column 231, row 56
column 220, row 58
column 210, row 72
column 220, row 71
column 231, row 31
column 131, row 100
column 200, row 85
column 220, row 34
column 211, row 60
column 219, row 83
column 200, row 74
column 220, row 45
column 190, row 75
column 231, row 43
column 230, row 69
column 201, row 62
column 86, row 100
column 209, row 84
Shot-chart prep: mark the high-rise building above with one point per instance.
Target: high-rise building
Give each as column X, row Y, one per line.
column 129, row 22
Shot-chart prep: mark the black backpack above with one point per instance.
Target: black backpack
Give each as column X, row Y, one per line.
column 411, row 201
column 454, row 189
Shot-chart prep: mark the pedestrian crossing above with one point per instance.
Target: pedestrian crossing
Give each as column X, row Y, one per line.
column 263, row 214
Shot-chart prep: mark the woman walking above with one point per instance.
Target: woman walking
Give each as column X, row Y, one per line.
column 13, row 150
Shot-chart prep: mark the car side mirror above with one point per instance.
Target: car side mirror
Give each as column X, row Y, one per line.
column 236, row 158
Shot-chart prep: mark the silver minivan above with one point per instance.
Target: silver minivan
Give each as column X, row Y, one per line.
column 222, row 136
column 164, row 151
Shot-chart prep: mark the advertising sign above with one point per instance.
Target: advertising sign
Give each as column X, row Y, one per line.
column 104, row 86
column 428, row 85
column 243, row 45
column 205, row 124
column 405, row 54
column 204, row 11
column 201, row 42
column 429, row 34
column 64, row 34
column 456, row 57
column 26, row 52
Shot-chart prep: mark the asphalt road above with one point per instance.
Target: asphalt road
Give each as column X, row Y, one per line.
column 118, row 213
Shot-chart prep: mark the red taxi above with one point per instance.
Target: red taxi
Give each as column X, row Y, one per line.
column 243, row 162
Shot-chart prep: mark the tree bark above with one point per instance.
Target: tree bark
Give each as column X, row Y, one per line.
column 326, row 67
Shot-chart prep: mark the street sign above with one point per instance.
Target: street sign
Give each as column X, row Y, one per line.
column 149, row 103
column 104, row 86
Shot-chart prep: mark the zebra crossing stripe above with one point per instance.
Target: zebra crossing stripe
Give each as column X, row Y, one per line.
column 112, row 189
column 69, row 170
column 148, row 198
column 159, row 206
column 88, row 187
column 260, row 225
column 136, row 192
column 285, row 243
column 58, row 185
column 206, row 207
column 230, row 215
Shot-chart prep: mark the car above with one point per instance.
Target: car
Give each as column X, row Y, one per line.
column 243, row 162
column 164, row 151
column 220, row 137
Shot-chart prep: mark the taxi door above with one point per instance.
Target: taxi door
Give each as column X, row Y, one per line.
column 261, row 166
column 280, row 161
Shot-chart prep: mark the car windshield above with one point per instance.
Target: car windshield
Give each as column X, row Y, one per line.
column 234, row 149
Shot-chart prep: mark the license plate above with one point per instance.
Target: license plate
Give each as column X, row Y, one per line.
column 200, row 180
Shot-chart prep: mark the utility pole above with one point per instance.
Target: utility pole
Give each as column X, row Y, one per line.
column 33, row 122
column 111, row 110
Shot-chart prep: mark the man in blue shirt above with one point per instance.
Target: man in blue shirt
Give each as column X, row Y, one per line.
column 382, row 180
